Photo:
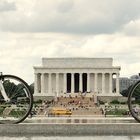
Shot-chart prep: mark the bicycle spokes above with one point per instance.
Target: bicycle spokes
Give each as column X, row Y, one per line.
column 19, row 104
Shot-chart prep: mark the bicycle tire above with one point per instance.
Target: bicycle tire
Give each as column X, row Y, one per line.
column 134, row 101
column 20, row 97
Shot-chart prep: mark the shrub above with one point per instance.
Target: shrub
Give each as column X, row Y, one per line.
column 123, row 103
column 38, row 101
column 101, row 102
column 115, row 102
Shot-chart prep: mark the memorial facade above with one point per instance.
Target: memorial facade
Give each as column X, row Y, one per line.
column 71, row 76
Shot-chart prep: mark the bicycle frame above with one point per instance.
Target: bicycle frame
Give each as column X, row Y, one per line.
column 2, row 90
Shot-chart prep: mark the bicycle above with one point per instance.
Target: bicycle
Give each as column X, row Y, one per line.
column 16, row 100
column 134, row 101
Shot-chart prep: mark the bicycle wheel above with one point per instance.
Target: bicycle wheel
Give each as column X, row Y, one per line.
column 134, row 101
column 21, row 100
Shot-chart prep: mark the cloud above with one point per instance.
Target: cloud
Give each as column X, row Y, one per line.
column 65, row 6
column 75, row 17
column 72, row 28
column 21, row 51
column 132, row 28
column 7, row 6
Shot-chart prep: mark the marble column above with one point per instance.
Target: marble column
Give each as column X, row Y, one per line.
column 72, row 82
column 110, row 83
column 65, row 83
column 95, row 82
column 117, row 83
column 57, row 84
column 80, row 82
column 88, row 82
column 103, row 83
column 50, row 83
column 42, row 83
column 36, row 84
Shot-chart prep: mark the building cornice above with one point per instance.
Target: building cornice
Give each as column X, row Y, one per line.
column 42, row 67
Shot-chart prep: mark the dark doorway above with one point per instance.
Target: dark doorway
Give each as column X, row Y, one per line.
column 84, row 82
column 76, row 82
column 68, row 83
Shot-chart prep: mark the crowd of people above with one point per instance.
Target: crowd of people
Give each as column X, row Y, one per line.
column 71, row 103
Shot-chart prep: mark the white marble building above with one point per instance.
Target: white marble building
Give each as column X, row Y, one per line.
column 71, row 76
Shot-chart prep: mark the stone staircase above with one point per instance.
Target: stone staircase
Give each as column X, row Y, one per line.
column 75, row 100
column 79, row 105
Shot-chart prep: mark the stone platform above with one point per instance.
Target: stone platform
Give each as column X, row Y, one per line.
column 101, row 126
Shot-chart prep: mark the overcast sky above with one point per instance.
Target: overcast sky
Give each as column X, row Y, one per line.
column 32, row 29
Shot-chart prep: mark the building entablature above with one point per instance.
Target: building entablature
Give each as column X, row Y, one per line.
column 76, row 70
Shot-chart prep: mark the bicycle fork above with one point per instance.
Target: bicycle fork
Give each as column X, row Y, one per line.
column 3, row 92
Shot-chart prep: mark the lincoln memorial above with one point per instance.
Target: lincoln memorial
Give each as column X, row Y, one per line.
column 72, row 76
